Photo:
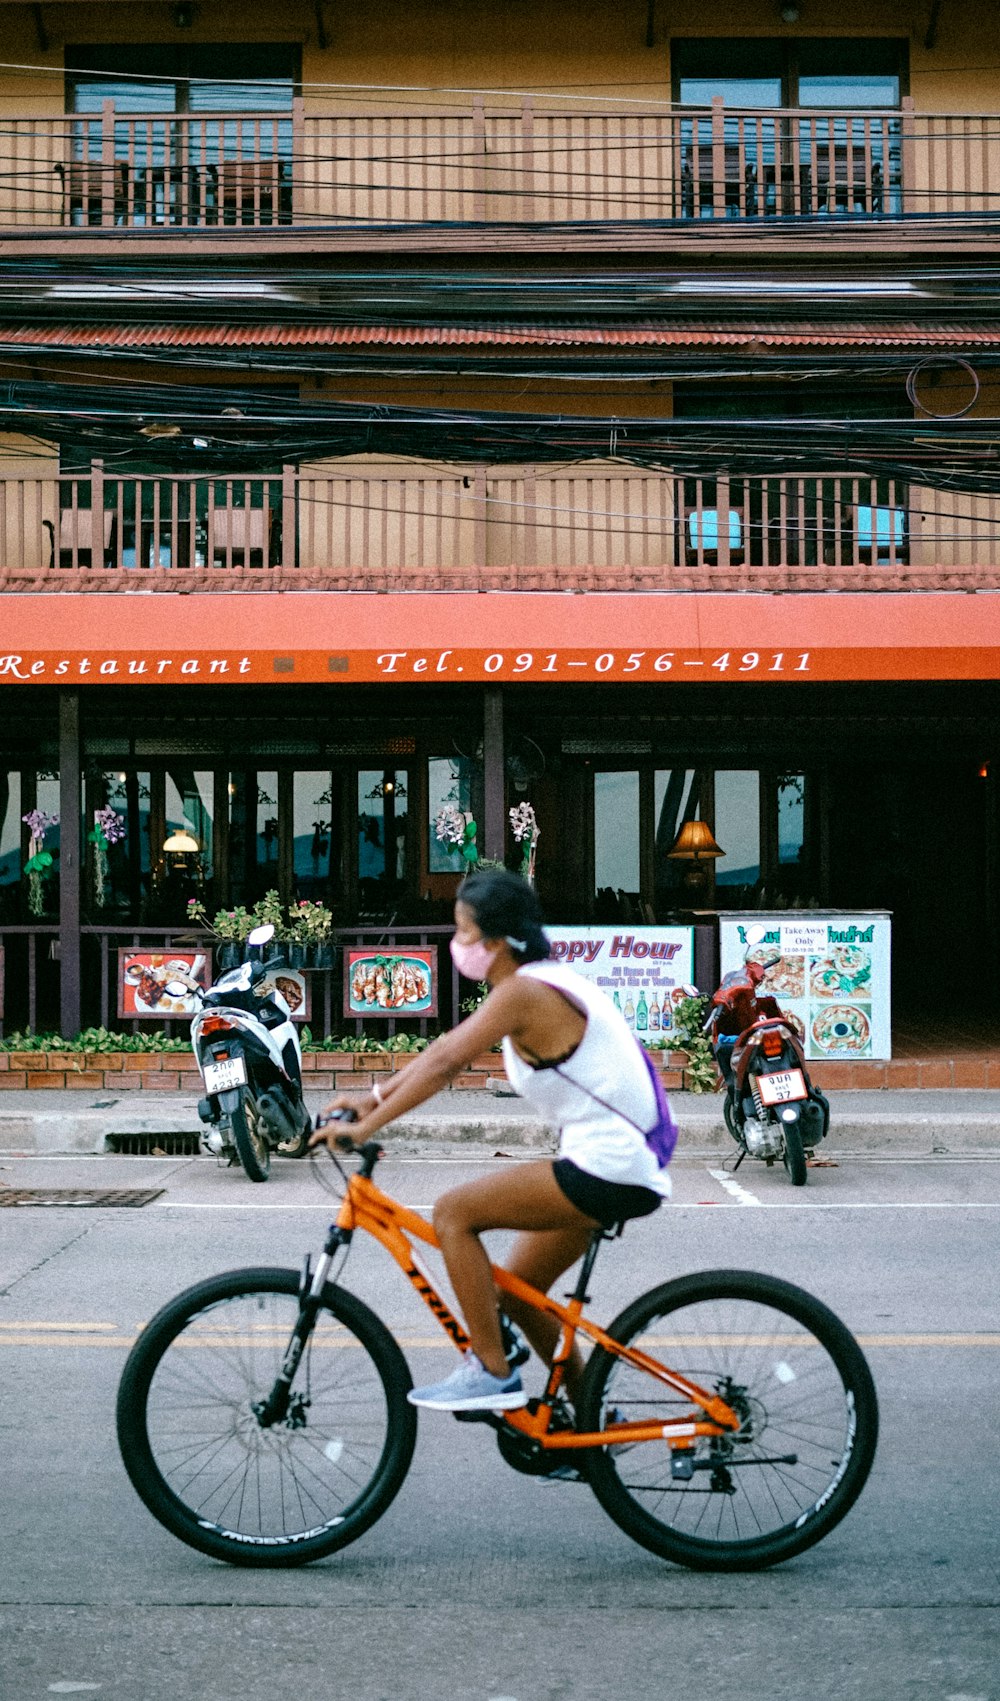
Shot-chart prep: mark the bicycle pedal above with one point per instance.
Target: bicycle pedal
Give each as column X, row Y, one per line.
column 491, row 1418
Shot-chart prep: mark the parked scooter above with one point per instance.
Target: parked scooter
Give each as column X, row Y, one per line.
column 771, row 1108
column 250, row 1058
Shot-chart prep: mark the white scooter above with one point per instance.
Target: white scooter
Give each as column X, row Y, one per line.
column 250, row 1058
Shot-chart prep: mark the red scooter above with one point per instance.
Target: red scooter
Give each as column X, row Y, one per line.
column 771, row 1108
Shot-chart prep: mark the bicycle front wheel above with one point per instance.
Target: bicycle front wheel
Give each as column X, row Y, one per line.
column 802, row 1388
column 202, row 1462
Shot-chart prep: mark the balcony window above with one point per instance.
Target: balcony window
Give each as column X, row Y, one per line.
column 185, row 146
column 750, row 164
column 762, row 73
column 195, row 78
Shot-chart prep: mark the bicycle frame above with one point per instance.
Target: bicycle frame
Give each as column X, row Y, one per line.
column 366, row 1207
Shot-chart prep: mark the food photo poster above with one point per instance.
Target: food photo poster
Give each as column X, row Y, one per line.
column 153, row 985
column 830, row 974
column 391, row 983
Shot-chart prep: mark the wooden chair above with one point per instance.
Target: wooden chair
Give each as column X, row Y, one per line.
column 84, row 186
column 247, row 191
column 243, row 533
column 76, row 539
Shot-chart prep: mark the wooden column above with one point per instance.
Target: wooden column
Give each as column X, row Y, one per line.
column 494, row 820
column 69, row 863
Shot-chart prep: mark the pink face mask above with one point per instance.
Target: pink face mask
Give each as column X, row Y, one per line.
column 472, row 961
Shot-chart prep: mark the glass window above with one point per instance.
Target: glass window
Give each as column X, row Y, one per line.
column 737, row 826
column 791, row 818
column 675, row 800
column 616, row 830
column 267, row 829
column 848, row 73
column 10, row 828
column 190, row 807
column 744, row 73
column 257, row 77
column 312, row 833
column 449, row 780
column 736, row 91
column 381, row 831
column 765, row 72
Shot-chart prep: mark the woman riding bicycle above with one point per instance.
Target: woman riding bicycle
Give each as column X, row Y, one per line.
column 568, row 1051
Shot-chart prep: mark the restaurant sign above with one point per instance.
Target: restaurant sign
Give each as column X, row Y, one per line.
column 831, row 976
column 645, row 971
column 535, row 637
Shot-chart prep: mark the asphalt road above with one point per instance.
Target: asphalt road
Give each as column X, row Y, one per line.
column 478, row 1584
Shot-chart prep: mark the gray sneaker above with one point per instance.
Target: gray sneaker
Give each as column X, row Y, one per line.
column 470, row 1388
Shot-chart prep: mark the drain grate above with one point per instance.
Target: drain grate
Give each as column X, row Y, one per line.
column 97, row 1197
column 155, row 1145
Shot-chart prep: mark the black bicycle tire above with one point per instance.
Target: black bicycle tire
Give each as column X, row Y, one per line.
column 252, row 1165
column 851, row 1365
column 165, row 1505
column 793, row 1155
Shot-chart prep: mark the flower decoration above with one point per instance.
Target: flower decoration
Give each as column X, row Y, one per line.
column 526, row 831
column 39, row 859
column 457, row 832
column 108, row 829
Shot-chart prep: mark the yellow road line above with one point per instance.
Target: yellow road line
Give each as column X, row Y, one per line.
column 107, row 1335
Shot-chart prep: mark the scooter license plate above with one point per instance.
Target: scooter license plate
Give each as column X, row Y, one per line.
column 780, row 1088
column 220, row 1077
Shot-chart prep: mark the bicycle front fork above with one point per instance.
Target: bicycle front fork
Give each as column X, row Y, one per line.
column 276, row 1407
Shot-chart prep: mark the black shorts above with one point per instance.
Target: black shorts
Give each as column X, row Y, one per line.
column 607, row 1202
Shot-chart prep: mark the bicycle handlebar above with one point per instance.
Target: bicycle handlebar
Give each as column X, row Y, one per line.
column 369, row 1153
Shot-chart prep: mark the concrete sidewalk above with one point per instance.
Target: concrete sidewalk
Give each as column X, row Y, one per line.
column 919, row 1123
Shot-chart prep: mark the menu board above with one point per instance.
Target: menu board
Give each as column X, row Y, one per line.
column 645, row 971
column 831, row 977
column 391, row 983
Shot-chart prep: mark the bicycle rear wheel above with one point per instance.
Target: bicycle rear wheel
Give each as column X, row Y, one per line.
column 802, row 1387
column 203, row 1464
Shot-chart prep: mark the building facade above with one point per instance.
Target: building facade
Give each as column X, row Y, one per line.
column 487, row 405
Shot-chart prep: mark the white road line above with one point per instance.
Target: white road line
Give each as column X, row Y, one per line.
column 740, row 1198
column 742, row 1195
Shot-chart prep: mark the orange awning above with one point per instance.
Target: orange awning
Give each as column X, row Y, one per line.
column 494, row 637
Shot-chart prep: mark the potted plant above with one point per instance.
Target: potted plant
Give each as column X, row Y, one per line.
column 457, row 832
column 40, row 861
column 108, row 829
column 230, row 927
column 526, row 832
column 312, row 925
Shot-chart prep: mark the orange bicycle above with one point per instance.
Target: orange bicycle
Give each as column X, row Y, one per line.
column 263, row 1418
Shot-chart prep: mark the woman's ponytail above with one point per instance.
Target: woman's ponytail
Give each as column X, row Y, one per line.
column 506, row 907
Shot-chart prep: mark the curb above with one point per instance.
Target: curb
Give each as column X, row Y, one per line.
column 501, row 1124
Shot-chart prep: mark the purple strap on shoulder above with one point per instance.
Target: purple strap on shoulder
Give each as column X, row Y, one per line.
column 662, row 1137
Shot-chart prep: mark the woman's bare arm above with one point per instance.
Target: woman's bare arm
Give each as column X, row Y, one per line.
column 508, row 1009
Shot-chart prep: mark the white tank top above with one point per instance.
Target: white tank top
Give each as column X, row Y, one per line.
column 601, row 1099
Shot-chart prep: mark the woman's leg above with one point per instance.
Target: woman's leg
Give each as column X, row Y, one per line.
column 527, row 1198
column 539, row 1259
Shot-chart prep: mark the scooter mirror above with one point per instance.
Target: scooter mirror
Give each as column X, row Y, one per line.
column 261, row 935
column 753, row 934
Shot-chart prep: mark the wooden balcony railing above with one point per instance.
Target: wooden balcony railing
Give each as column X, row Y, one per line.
column 363, row 525
column 493, row 161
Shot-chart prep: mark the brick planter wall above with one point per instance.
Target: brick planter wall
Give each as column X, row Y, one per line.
column 325, row 1071
column 176, row 1071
